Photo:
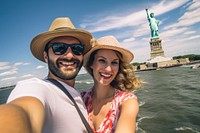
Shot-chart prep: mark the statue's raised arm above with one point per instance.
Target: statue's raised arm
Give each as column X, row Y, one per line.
column 147, row 11
column 153, row 24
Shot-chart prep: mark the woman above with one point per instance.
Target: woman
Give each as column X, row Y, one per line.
column 111, row 108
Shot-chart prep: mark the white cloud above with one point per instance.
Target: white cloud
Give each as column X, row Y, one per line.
column 26, row 64
column 141, row 54
column 5, row 67
column 21, row 63
column 18, row 63
column 40, row 67
column 189, row 38
column 190, row 17
column 173, row 32
column 27, row 75
column 8, row 73
column 108, row 22
column 195, row 4
column 183, row 48
column 189, row 32
column 3, row 63
column 129, row 39
column 10, row 78
column 16, row 66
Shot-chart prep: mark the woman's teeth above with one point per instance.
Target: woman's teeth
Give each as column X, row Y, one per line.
column 105, row 75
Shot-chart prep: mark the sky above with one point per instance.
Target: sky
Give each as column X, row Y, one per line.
column 22, row 20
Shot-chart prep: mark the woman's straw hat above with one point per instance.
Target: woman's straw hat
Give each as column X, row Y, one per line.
column 109, row 42
column 59, row 27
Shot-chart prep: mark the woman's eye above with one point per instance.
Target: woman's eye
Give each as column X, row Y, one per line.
column 115, row 63
column 101, row 60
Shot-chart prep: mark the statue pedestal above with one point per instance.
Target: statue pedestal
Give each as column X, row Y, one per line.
column 156, row 48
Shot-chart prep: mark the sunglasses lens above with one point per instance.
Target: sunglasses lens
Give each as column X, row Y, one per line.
column 59, row 48
column 77, row 49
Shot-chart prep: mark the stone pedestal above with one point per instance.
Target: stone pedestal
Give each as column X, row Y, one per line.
column 156, row 48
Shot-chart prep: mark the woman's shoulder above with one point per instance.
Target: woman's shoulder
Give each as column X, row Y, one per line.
column 123, row 95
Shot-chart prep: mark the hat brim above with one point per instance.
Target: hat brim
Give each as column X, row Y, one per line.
column 39, row 42
column 127, row 56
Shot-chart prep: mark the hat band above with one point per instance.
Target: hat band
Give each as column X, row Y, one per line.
column 63, row 28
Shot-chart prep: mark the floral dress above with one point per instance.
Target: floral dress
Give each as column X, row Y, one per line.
column 109, row 123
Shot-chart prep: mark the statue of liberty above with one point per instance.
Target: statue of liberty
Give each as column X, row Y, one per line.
column 153, row 24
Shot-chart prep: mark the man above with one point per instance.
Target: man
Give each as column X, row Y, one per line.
column 36, row 105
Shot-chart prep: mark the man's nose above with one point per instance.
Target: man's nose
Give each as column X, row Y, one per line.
column 69, row 54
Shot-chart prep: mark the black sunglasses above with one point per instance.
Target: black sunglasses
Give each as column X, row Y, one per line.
column 61, row 48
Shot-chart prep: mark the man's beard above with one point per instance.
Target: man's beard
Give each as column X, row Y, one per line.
column 60, row 73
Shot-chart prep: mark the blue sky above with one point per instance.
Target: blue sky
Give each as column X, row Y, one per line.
column 22, row 20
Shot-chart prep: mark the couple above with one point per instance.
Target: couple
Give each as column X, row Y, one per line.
column 36, row 106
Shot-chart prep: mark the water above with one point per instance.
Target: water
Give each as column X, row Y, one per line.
column 169, row 100
column 4, row 92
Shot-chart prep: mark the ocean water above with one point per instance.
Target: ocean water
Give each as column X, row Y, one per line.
column 169, row 99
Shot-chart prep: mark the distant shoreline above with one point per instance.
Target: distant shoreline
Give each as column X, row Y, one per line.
column 193, row 62
column 190, row 63
column 7, row 87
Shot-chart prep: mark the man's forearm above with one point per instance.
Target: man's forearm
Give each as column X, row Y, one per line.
column 13, row 119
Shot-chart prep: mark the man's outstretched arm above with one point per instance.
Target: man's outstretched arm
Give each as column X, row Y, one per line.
column 23, row 115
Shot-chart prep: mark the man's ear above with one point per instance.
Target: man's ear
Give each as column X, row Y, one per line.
column 45, row 55
column 91, row 66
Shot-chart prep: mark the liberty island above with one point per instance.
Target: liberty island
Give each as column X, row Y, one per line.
column 157, row 57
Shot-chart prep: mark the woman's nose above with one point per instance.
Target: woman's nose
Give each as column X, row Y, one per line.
column 108, row 68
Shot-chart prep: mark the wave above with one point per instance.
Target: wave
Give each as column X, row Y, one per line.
column 187, row 128
column 138, row 129
column 145, row 117
column 141, row 104
column 89, row 82
column 85, row 82
column 144, row 82
column 190, row 65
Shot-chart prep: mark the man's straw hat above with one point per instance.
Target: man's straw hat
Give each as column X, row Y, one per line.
column 109, row 42
column 59, row 27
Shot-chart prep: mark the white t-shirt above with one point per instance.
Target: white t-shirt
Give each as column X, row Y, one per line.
column 61, row 115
